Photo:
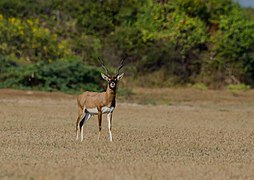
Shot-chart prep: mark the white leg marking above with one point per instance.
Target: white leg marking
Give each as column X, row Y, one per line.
column 99, row 136
column 81, row 134
column 87, row 117
column 109, row 116
column 77, row 132
column 78, row 128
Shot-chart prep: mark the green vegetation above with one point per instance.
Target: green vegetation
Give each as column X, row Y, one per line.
column 236, row 88
column 62, row 75
column 200, row 86
column 55, row 45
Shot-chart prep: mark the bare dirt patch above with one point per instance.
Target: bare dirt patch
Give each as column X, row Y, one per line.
column 188, row 134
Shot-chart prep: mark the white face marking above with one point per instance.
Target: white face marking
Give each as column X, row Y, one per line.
column 112, row 84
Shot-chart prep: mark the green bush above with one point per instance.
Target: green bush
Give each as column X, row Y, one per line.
column 236, row 88
column 200, row 86
column 233, row 45
column 6, row 64
column 186, row 41
column 27, row 40
column 61, row 75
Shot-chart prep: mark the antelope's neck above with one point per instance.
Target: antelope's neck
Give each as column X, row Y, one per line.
column 110, row 96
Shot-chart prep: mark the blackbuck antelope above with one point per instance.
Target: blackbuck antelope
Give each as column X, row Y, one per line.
column 94, row 103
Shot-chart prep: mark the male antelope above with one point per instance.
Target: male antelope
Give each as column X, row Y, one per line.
column 94, row 103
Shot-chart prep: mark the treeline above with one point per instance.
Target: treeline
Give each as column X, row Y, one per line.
column 55, row 45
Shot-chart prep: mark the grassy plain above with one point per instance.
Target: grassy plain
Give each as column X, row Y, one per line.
column 157, row 134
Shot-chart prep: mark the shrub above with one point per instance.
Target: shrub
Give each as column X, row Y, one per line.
column 61, row 75
column 235, row 88
column 233, row 45
column 28, row 40
column 200, row 86
column 187, row 41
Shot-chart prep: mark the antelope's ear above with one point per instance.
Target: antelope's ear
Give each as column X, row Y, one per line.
column 120, row 76
column 104, row 77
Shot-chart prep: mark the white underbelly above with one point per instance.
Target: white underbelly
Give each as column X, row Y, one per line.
column 104, row 109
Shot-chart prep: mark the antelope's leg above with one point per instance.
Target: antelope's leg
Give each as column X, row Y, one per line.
column 77, row 127
column 85, row 119
column 80, row 117
column 109, row 116
column 99, row 121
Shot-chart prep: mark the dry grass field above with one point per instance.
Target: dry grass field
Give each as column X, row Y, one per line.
column 175, row 134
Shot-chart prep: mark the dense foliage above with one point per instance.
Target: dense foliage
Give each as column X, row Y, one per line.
column 68, row 76
column 166, row 42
